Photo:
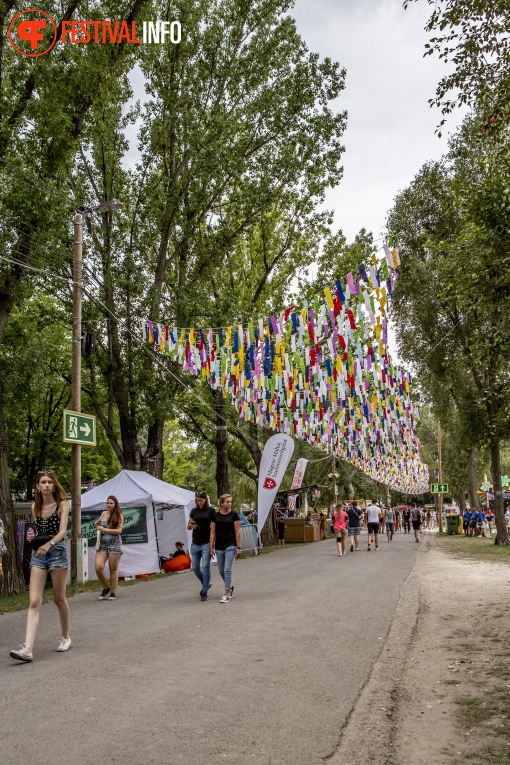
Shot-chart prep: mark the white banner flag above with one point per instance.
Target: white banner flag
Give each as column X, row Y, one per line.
column 299, row 473
column 275, row 459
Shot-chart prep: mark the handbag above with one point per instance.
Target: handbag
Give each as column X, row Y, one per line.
column 39, row 541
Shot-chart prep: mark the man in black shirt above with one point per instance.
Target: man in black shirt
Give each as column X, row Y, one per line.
column 406, row 515
column 200, row 522
column 354, row 527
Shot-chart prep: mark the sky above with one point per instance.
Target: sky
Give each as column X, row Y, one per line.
column 391, row 127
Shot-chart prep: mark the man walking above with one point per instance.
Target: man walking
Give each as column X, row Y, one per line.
column 389, row 517
column 406, row 516
column 372, row 513
column 416, row 521
column 354, row 528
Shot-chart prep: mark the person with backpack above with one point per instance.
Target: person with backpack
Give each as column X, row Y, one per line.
column 339, row 526
column 354, row 528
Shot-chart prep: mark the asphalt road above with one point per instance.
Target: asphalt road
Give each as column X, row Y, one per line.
column 160, row 677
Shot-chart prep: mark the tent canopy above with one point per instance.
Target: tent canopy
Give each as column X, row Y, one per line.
column 132, row 486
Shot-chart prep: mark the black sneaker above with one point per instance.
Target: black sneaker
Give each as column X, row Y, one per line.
column 112, row 596
column 203, row 596
column 231, row 593
column 104, row 594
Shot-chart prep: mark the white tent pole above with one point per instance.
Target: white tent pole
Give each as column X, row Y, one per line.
column 156, row 532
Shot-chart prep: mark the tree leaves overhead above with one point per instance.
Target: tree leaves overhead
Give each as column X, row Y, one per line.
column 474, row 35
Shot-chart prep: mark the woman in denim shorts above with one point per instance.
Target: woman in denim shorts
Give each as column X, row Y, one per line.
column 109, row 548
column 50, row 511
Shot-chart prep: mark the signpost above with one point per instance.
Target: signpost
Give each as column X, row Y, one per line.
column 79, row 428
column 439, row 488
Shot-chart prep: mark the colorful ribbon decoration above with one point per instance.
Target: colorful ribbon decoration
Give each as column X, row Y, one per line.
column 322, row 374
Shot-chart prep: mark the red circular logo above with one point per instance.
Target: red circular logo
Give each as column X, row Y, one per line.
column 32, row 30
column 30, row 534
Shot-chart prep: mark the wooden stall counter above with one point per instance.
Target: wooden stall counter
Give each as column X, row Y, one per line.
column 298, row 531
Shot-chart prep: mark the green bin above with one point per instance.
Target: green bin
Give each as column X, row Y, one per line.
column 452, row 523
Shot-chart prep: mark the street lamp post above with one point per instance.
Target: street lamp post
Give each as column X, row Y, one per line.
column 76, row 372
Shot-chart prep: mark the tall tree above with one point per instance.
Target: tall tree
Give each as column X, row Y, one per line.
column 452, row 303
column 473, row 35
column 238, row 144
column 45, row 105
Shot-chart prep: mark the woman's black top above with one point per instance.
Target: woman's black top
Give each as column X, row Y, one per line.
column 50, row 526
column 202, row 518
column 225, row 529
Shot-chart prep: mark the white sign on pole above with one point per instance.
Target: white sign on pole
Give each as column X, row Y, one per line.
column 273, row 464
column 299, row 473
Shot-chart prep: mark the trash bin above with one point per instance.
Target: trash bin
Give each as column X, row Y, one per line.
column 453, row 523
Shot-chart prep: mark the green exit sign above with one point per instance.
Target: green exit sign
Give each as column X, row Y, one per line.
column 439, row 488
column 79, row 428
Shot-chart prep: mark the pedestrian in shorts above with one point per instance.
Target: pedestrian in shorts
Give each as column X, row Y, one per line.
column 354, row 527
column 372, row 515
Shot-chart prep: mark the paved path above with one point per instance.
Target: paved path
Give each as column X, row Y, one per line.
column 159, row 677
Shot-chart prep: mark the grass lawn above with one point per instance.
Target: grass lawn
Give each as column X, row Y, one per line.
column 478, row 548
column 10, row 603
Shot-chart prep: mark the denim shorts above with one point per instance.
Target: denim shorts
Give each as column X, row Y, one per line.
column 56, row 557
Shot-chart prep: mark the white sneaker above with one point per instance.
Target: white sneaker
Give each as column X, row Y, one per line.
column 64, row 644
column 22, row 654
column 225, row 599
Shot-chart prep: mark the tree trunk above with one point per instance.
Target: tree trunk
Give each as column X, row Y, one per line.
column 499, row 510
column 153, row 459
column 255, row 450
column 222, row 482
column 13, row 583
column 462, row 502
column 267, row 535
column 472, row 482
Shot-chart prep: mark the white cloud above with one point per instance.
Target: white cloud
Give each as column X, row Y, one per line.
column 391, row 128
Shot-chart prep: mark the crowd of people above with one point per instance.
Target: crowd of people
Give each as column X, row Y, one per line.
column 214, row 532
column 348, row 519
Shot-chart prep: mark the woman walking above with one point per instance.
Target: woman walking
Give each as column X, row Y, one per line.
column 109, row 548
column 226, row 541
column 200, row 523
column 49, row 553
column 339, row 526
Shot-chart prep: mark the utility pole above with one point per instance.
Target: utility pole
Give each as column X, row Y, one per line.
column 76, row 392
column 440, row 475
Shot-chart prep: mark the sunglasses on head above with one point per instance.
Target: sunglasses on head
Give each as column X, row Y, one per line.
column 45, row 472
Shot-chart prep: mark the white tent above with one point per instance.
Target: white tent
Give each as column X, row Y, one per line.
column 158, row 519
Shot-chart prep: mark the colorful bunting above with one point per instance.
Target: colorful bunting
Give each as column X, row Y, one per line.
column 322, row 374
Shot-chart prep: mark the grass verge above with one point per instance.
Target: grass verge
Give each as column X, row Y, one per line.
column 477, row 548
column 10, row 603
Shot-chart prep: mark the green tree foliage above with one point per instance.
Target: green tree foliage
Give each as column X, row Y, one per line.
column 36, row 357
column 452, row 303
column 474, row 35
column 238, row 144
column 45, row 107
